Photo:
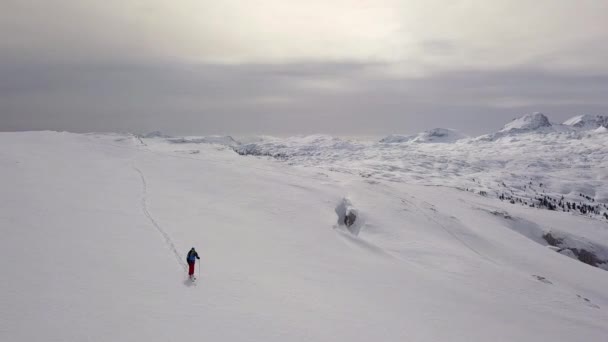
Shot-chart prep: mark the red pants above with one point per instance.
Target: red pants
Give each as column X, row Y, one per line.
column 190, row 268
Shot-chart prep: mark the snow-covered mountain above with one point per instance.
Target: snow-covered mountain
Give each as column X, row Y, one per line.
column 528, row 158
column 332, row 239
column 155, row 134
column 436, row 135
column 600, row 130
column 210, row 139
column 528, row 122
column 536, row 123
column 588, row 122
column 224, row 140
column 539, row 123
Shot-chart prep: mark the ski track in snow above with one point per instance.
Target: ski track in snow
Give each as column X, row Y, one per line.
column 144, row 207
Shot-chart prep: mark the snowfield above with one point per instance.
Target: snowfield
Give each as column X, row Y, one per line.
column 528, row 158
column 96, row 227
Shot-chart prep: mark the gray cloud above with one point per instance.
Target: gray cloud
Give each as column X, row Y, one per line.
column 282, row 99
column 388, row 66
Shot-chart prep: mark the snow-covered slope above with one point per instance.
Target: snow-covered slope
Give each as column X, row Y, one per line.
column 95, row 229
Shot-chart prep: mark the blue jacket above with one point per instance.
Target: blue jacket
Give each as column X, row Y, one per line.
column 192, row 256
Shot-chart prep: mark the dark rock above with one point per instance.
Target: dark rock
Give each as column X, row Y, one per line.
column 551, row 240
column 350, row 218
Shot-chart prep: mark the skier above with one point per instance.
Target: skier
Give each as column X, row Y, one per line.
column 191, row 259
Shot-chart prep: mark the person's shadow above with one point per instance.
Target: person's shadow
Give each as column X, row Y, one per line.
column 189, row 282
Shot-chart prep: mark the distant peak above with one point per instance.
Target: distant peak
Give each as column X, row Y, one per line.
column 435, row 135
column 528, row 122
column 587, row 121
column 601, row 129
column 155, row 134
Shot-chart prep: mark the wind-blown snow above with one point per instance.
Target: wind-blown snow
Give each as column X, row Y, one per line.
column 93, row 227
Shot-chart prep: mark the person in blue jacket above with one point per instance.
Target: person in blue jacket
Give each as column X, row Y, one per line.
column 191, row 259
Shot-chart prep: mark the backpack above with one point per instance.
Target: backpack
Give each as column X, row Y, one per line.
column 191, row 257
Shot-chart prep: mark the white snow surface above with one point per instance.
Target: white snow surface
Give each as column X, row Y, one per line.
column 526, row 165
column 96, row 227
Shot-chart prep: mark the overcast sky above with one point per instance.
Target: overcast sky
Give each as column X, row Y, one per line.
column 288, row 67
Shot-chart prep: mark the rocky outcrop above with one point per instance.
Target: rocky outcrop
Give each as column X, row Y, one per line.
column 581, row 254
column 348, row 216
